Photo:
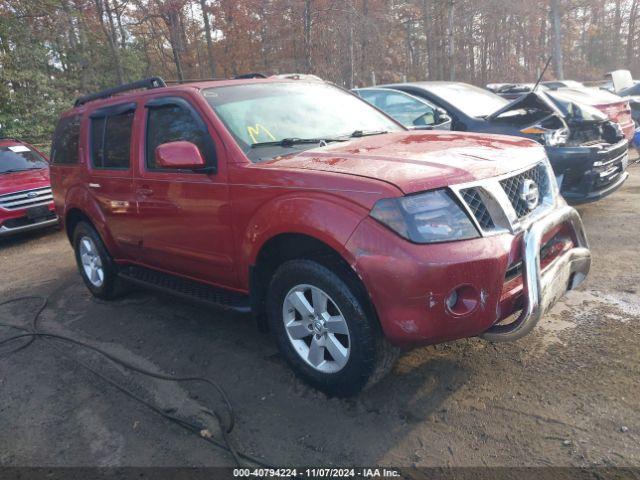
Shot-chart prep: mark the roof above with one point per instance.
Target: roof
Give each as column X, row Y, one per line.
column 4, row 141
column 178, row 87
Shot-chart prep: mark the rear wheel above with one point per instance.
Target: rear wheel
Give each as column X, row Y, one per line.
column 98, row 270
column 323, row 329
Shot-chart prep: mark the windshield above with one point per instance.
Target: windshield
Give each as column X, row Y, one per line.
column 260, row 115
column 472, row 101
column 18, row 158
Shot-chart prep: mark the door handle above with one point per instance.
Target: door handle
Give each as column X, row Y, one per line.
column 145, row 191
column 94, row 185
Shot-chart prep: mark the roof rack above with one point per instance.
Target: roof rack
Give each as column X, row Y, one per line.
column 250, row 75
column 148, row 83
column 193, row 80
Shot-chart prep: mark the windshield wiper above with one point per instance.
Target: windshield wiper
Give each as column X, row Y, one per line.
column 289, row 142
column 366, row 133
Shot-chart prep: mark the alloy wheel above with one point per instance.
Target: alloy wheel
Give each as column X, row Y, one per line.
column 316, row 328
column 91, row 261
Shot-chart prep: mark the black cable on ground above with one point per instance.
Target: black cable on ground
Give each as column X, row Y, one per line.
column 43, row 305
column 35, row 333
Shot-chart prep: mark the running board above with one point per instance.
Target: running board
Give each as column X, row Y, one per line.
column 185, row 288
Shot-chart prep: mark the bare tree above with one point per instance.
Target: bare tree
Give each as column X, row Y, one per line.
column 556, row 22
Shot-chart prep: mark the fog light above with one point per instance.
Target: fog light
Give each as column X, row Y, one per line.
column 462, row 300
column 452, row 299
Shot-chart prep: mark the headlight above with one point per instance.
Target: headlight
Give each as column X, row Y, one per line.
column 549, row 137
column 425, row 218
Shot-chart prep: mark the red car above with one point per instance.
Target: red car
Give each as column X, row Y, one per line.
column 26, row 202
column 345, row 234
column 616, row 108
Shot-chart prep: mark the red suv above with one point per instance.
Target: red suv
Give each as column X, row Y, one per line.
column 25, row 191
column 345, row 234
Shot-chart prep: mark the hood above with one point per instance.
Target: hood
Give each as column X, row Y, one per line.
column 530, row 101
column 416, row 161
column 589, row 96
column 14, row 182
column 574, row 110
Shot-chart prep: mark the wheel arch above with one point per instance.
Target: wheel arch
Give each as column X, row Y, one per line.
column 79, row 205
column 287, row 246
column 72, row 218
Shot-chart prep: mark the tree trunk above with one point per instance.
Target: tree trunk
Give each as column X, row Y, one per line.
column 428, row 35
column 349, row 81
column 307, row 36
column 207, row 34
column 631, row 35
column 173, row 24
column 264, row 36
column 556, row 24
column 364, row 41
column 451, row 42
column 123, row 33
column 113, row 46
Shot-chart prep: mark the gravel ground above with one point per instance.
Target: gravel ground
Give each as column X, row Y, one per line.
column 566, row 395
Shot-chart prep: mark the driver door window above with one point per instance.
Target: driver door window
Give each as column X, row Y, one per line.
column 171, row 122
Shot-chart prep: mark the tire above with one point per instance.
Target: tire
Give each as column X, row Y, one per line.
column 106, row 285
column 365, row 356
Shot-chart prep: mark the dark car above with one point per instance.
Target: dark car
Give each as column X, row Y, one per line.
column 586, row 170
column 413, row 112
column 615, row 108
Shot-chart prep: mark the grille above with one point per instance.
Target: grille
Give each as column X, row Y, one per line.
column 478, row 208
column 513, row 184
column 26, row 198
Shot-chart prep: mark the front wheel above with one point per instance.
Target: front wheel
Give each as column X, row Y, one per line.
column 323, row 329
column 96, row 267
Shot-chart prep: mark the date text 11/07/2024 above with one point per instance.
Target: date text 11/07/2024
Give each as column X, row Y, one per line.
column 317, row 472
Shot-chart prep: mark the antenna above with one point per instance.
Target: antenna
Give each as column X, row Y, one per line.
column 541, row 75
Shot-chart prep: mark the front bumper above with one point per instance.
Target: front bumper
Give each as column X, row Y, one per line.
column 409, row 284
column 17, row 222
column 589, row 173
column 541, row 289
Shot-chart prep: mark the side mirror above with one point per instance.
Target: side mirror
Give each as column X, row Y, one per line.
column 442, row 117
column 179, row 155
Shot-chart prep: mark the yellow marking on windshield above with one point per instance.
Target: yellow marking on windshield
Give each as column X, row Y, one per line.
column 255, row 132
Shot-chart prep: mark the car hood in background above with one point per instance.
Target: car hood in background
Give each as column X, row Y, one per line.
column 417, row 161
column 531, row 100
column 27, row 180
column 589, row 96
column 575, row 111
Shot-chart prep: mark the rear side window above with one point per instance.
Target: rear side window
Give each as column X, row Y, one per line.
column 64, row 149
column 172, row 122
column 111, row 137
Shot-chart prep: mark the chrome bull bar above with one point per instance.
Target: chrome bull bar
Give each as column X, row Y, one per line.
column 541, row 289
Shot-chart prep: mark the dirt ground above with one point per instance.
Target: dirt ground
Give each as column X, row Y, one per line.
column 566, row 395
